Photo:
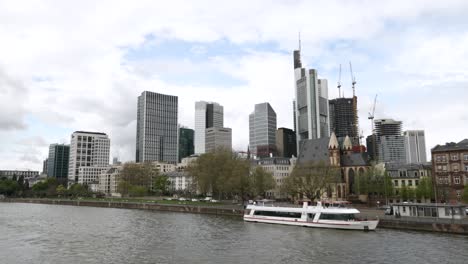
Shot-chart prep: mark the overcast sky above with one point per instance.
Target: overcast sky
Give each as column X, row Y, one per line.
column 80, row 65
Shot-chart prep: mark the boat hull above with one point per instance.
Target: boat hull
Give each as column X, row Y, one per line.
column 348, row 225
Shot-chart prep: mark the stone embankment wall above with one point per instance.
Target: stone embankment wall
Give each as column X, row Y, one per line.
column 454, row 228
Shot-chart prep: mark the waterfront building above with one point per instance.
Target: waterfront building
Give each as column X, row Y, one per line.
column 58, row 161
column 186, row 142
column 330, row 152
column 408, row 176
column 180, row 181
column 157, row 128
column 207, row 115
column 90, row 175
column 262, row 131
column 87, row 150
column 286, row 143
column 450, row 170
column 343, row 119
column 415, row 146
column 280, row 168
column 109, row 180
column 218, row 138
column 389, row 142
column 26, row 174
column 311, row 107
column 116, row 161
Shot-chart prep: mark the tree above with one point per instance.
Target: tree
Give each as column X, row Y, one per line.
column 311, row 180
column 78, row 190
column 262, row 181
column 8, row 187
column 465, row 194
column 161, row 184
column 60, row 190
column 137, row 174
column 425, row 189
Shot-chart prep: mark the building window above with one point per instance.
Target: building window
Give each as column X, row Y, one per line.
column 403, row 183
column 456, row 179
column 416, row 182
column 444, row 167
column 396, row 183
column 465, row 156
column 410, row 183
column 454, row 156
column 455, row 167
column 439, row 167
column 466, row 167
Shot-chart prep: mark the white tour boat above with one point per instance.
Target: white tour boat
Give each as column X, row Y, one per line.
column 309, row 216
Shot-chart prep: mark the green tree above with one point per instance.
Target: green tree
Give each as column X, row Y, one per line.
column 161, row 184
column 404, row 193
column 137, row 174
column 8, row 187
column 262, row 181
column 78, row 190
column 60, row 190
column 311, row 180
column 465, row 194
column 137, row 191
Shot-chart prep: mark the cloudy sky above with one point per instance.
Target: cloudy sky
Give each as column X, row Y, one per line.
column 80, row 65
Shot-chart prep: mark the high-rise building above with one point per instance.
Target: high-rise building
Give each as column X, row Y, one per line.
column 286, row 143
column 311, row 110
column 207, row 114
column 343, row 119
column 415, row 146
column 186, row 148
column 218, row 138
column 57, row 167
column 88, row 151
column 262, row 130
column 44, row 166
column 157, row 128
column 390, row 144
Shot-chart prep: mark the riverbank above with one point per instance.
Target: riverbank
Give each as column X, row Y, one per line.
column 454, row 227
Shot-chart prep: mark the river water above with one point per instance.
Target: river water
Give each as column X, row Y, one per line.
column 34, row 233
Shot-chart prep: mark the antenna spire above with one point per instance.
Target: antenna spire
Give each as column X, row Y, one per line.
column 299, row 41
column 339, row 82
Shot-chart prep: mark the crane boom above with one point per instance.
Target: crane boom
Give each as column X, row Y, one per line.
column 339, row 83
column 353, row 79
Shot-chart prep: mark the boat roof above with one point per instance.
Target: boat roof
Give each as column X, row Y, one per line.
column 311, row 209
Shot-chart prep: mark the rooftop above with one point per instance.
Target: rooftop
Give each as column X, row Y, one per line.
column 452, row 146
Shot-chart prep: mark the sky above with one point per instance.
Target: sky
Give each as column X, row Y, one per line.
column 80, row 65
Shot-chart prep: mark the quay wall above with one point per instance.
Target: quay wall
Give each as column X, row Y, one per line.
column 401, row 224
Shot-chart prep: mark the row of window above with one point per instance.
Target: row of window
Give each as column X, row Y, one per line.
column 403, row 183
column 446, row 180
column 455, row 167
column 453, row 156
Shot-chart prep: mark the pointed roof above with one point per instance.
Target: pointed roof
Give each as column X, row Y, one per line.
column 333, row 143
column 347, row 145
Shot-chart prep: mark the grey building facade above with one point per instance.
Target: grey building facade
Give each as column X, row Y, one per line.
column 286, row 143
column 311, row 107
column 262, row 130
column 415, row 146
column 186, row 139
column 218, row 138
column 207, row 115
column 157, row 128
column 57, row 162
column 389, row 142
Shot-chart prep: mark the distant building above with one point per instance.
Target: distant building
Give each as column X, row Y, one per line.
column 280, row 168
column 90, row 175
column 407, row 175
column 58, row 161
column 389, row 142
column 207, row 115
column 9, row 174
column 312, row 110
column 262, row 130
column 180, row 181
column 116, row 161
column 286, row 143
column 218, row 138
column 157, row 128
column 87, row 150
column 44, row 166
column 415, row 146
column 343, row 119
column 186, row 142
column 109, row 180
column 450, row 170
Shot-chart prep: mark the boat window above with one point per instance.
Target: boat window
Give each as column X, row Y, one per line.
column 311, row 216
column 278, row 214
column 341, row 217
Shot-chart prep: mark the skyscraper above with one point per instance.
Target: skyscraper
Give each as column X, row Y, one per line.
column 262, row 130
column 57, row 162
column 157, row 128
column 311, row 110
column 343, row 119
column 186, row 147
column 415, row 146
column 207, row 115
column 286, row 142
column 89, row 151
column 390, row 144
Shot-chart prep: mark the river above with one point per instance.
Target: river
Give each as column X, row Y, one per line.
column 35, row 233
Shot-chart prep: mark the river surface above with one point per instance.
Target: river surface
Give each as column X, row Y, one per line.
column 35, row 233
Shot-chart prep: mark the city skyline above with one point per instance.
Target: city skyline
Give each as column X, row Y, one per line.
column 414, row 56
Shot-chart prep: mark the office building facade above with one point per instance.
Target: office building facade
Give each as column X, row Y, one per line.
column 87, row 149
column 157, row 128
column 390, row 144
column 286, row 143
column 343, row 119
column 262, row 130
column 218, row 138
column 58, row 161
column 311, row 104
column 415, row 146
column 186, row 146
column 207, row 115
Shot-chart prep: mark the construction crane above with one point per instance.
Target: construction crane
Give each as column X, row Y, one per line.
column 353, row 79
column 339, row 83
column 371, row 114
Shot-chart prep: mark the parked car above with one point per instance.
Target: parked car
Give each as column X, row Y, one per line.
column 182, row 199
column 168, row 199
column 194, row 200
column 214, row 201
column 206, row 199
